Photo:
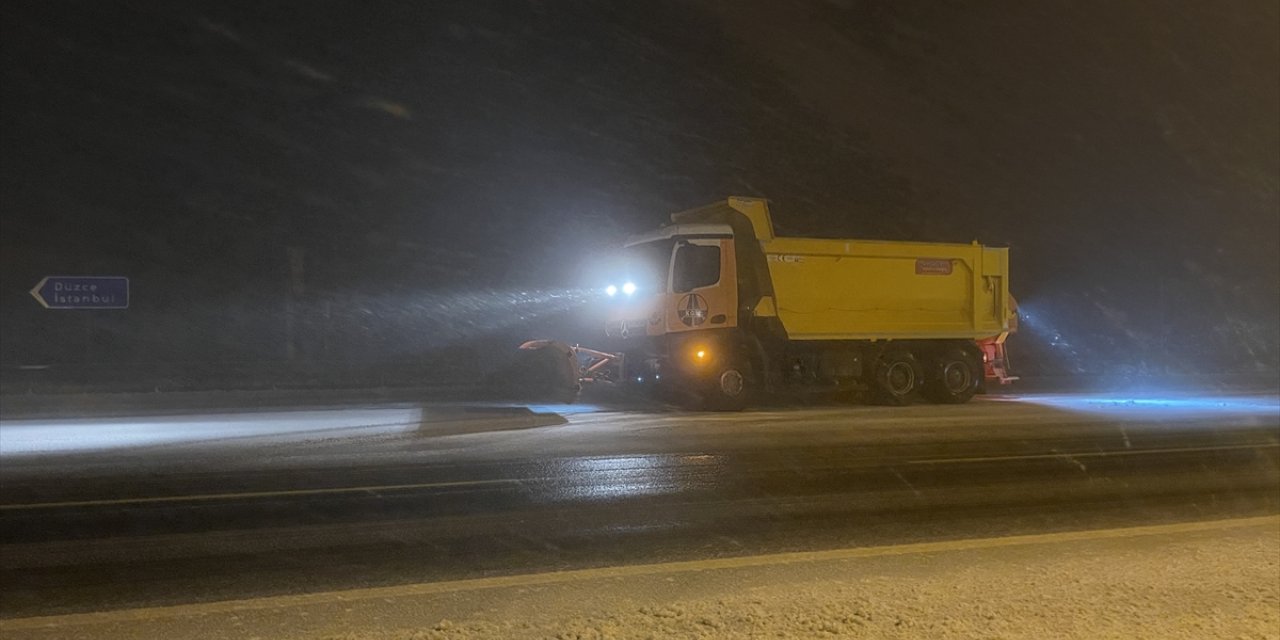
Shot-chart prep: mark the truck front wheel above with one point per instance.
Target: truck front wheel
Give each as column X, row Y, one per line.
column 896, row 378
column 730, row 387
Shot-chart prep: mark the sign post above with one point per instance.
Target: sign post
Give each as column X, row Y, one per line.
column 82, row 292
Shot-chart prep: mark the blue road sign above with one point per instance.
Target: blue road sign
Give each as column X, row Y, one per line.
column 82, row 292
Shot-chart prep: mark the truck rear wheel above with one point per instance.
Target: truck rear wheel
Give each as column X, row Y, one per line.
column 896, row 378
column 954, row 376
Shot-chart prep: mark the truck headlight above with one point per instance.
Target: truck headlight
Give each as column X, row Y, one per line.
column 611, row 291
column 629, row 288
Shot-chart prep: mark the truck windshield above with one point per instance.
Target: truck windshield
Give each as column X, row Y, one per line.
column 646, row 265
column 695, row 266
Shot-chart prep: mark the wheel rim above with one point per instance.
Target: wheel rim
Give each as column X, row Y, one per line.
column 956, row 376
column 900, row 378
column 731, row 383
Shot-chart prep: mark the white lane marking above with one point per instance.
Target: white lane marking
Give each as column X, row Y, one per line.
column 252, row 494
column 1098, row 454
column 464, row 483
column 909, row 485
column 560, row 577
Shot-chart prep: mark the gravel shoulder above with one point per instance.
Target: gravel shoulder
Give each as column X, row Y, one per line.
column 1221, row 585
column 1206, row 583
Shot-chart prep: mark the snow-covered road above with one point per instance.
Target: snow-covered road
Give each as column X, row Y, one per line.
column 217, row 506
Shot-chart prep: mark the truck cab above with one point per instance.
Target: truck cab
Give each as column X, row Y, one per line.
column 678, row 279
column 674, row 304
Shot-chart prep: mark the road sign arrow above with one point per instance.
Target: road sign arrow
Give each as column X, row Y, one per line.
column 35, row 292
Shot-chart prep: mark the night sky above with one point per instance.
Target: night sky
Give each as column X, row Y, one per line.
column 439, row 164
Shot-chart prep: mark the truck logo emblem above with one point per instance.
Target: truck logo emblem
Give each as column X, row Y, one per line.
column 692, row 310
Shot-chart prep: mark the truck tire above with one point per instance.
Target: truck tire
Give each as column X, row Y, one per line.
column 730, row 387
column 896, row 378
column 954, row 376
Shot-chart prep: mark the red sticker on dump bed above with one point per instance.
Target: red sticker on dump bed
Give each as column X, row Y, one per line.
column 933, row 267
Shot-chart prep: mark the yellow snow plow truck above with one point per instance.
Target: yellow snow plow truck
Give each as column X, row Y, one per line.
column 718, row 309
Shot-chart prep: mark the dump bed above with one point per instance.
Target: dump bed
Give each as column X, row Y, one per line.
column 864, row 289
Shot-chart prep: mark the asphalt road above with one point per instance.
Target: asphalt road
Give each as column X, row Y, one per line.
column 108, row 513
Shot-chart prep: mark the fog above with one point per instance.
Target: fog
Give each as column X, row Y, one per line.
column 340, row 183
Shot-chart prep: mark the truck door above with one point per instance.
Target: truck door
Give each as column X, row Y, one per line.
column 704, row 286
